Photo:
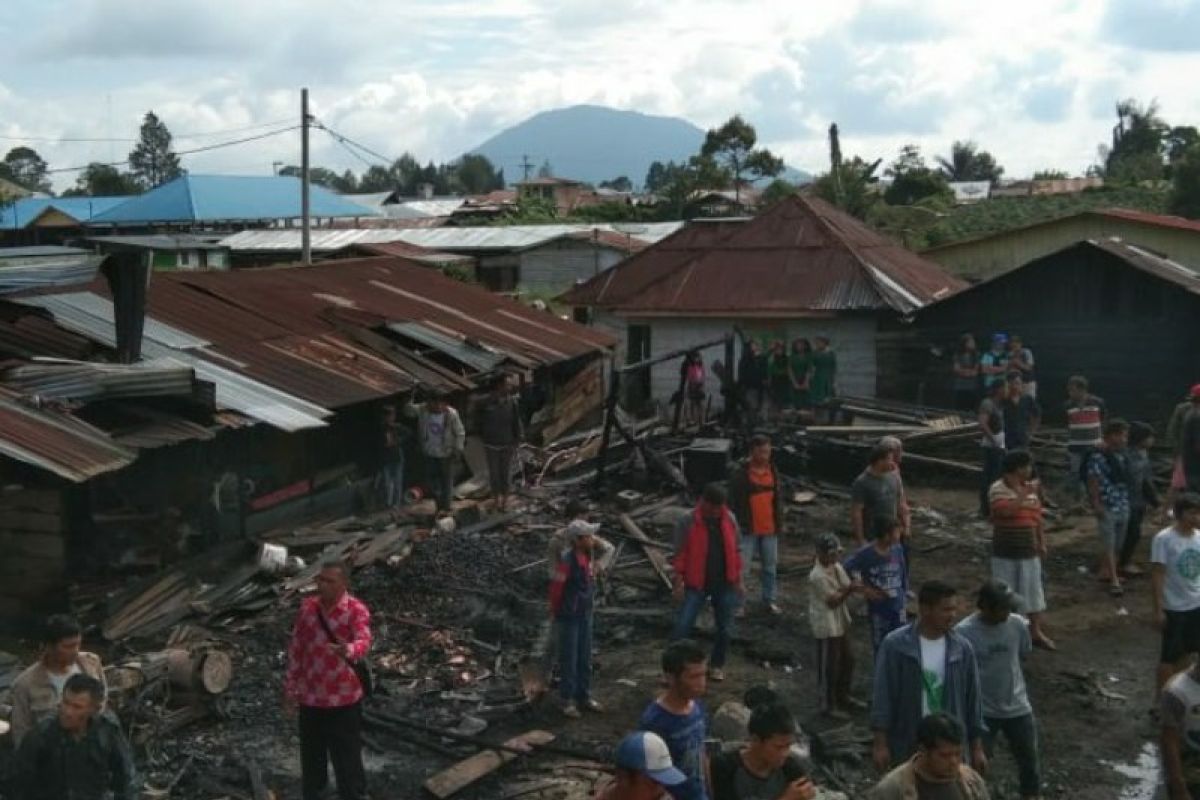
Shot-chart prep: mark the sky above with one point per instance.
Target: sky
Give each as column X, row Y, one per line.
column 1032, row 81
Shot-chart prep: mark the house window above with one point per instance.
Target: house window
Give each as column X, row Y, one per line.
column 185, row 258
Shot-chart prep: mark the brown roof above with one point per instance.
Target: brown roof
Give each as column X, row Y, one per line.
column 801, row 255
column 413, row 252
column 57, row 442
column 1146, row 218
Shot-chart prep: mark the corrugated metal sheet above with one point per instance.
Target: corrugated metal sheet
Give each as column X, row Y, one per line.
column 92, row 315
column 154, row 433
column 801, row 255
column 19, row 275
column 57, row 443
column 21, row 213
column 1146, row 218
column 473, row 355
column 33, row 333
column 414, row 253
column 1165, row 269
column 86, row 381
column 323, row 240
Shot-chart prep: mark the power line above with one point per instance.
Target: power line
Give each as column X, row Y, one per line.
column 192, row 151
column 383, row 159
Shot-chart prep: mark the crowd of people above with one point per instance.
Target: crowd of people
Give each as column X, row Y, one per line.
column 802, row 378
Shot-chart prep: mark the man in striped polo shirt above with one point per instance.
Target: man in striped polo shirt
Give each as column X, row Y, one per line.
column 1085, row 417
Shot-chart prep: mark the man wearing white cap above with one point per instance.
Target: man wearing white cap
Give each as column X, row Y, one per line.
column 572, row 600
column 644, row 769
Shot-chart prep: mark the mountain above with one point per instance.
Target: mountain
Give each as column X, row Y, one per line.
column 595, row 143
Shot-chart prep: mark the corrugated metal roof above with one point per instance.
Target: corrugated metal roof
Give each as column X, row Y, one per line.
column 57, row 443
column 467, row 352
column 1163, row 268
column 39, row 251
column 423, row 209
column 24, row 211
column 801, row 255
column 323, row 240
column 1146, row 218
column 227, row 198
column 414, row 253
column 163, row 241
column 92, row 315
column 31, row 332
column 85, row 380
column 22, row 274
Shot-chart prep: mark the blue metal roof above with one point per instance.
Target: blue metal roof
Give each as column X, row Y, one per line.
column 227, row 198
column 24, row 211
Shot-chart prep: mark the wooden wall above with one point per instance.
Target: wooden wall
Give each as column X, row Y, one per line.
column 1082, row 311
column 33, row 547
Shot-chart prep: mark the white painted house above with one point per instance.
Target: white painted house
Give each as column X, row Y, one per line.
column 803, row 268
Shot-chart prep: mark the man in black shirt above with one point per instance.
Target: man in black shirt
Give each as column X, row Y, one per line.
column 1022, row 414
column 766, row 767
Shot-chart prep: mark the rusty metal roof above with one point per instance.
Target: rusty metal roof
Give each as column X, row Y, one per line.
column 56, row 442
column 1146, row 218
column 802, row 255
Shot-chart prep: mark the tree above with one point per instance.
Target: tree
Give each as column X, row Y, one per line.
column 968, row 163
column 346, row 183
column 474, row 174
column 1050, row 175
column 658, row 175
column 1178, row 141
column 377, row 179
column 24, row 167
column 545, row 170
column 1138, row 141
column 102, row 180
column 779, row 189
column 152, row 160
column 1185, row 192
column 913, row 181
column 731, row 148
column 618, row 184
column 858, row 186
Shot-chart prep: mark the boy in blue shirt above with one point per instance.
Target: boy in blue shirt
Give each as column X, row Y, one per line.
column 678, row 716
column 881, row 568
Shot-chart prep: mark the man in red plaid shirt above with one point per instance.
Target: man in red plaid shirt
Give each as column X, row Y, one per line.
column 321, row 681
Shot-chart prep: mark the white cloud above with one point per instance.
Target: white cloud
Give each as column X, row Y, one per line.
column 1031, row 81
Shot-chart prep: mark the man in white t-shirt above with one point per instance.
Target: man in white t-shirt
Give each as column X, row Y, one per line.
column 1175, row 560
column 1179, row 740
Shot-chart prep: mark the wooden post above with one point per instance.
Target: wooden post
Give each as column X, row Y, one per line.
column 610, row 419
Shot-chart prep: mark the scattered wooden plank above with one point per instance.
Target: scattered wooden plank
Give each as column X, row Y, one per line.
column 40, row 521
column 464, row 773
column 657, row 560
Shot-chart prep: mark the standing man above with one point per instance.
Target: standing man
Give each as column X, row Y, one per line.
column 678, row 717
column 78, row 753
column 1108, row 490
column 1143, row 493
column 1001, row 640
column 752, row 378
column 991, row 426
column 1085, row 419
column 921, row 669
column 501, row 429
column 756, row 498
column 1022, row 414
column 993, row 365
column 1020, row 358
column 37, row 692
column 966, row 374
column 1019, row 539
column 876, row 495
column 766, row 767
column 880, row 569
column 644, row 770
column 392, row 436
column 903, row 510
column 1179, row 741
column 572, row 600
column 1179, row 417
column 708, row 567
column 332, row 633
column 937, row 771
column 829, row 587
column 1175, row 576
column 442, row 436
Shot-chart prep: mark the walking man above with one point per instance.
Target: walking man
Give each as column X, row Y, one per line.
column 78, row 753
column 1108, row 489
column 1175, row 576
column 1019, row 539
column 37, row 692
column 644, row 770
column 876, row 495
column 922, row 669
column 708, row 567
column 1001, row 640
column 937, row 771
column 572, row 600
column 678, row 717
column 991, row 424
column 501, row 429
column 442, row 436
column 332, row 633
column 756, row 498
column 1085, row 419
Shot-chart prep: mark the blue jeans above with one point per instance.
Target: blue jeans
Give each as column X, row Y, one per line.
column 575, row 658
column 1021, row 733
column 724, row 602
column 767, row 548
column 441, row 480
column 393, row 483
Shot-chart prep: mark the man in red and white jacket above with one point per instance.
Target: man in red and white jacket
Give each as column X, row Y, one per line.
column 708, row 566
column 322, row 683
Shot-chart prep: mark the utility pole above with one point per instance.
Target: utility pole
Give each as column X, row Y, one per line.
column 835, row 162
column 305, row 221
column 526, row 166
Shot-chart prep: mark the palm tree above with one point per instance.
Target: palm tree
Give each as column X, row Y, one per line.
column 968, row 163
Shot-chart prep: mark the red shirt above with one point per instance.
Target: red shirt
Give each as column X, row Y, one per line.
column 316, row 675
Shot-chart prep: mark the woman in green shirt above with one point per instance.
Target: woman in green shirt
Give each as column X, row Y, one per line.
column 822, row 384
column 779, row 377
column 800, row 364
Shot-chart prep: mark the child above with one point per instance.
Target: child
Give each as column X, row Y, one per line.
column 880, row 565
column 572, row 593
column 1142, row 494
column 828, row 589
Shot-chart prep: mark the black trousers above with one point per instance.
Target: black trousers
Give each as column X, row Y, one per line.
column 332, row 735
column 1133, row 535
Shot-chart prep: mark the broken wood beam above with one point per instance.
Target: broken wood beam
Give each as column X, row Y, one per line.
column 461, row 775
column 657, row 560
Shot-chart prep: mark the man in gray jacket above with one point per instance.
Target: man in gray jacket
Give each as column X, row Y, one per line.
column 922, row 669
column 442, row 436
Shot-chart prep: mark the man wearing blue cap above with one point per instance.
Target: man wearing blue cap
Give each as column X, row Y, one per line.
column 994, row 363
column 644, row 769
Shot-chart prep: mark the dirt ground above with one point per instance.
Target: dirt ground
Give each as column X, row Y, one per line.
column 1091, row 697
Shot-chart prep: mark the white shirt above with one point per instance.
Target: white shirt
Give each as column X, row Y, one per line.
column 1180, row 557
column 933, row 673
column 59, row 681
